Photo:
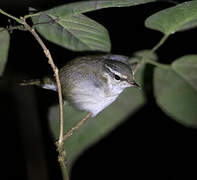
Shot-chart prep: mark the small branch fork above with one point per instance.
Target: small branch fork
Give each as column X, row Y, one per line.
column 59, row 143
column 56, row 74
column 62, row 137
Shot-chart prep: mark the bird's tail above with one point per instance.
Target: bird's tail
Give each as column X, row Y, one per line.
column 46, row 83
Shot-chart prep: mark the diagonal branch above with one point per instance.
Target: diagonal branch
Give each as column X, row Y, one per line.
column 77, row 126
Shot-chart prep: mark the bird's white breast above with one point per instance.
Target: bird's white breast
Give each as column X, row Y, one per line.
column 92, row 99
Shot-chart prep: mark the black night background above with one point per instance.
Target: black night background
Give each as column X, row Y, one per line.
column 148, row 145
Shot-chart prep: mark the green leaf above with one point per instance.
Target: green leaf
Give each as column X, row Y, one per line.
column 4, row 47
column 96, row 128
column 180, row 17
column 190, row 25
column 77, row 32
column 86, row 6
column 175, row 96
column 186, row 67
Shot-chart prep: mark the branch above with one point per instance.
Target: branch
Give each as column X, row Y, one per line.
column 61, row 159
column 56, row 74
column 77, row 126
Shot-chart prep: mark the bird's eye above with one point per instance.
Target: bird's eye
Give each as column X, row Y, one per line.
column 117, row 77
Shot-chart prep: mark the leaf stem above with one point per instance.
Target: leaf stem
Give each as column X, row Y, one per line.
column 31, row 15
column 10, row 16
column 143, row 60
column 162, row 40
column 150, row 61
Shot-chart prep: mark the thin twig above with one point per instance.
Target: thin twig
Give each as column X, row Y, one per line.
column 10, row 16
column 10, row 28
column 56, row 74
column 78, row 125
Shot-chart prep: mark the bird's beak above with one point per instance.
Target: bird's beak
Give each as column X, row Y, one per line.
column 133, row 83
column 136, row 85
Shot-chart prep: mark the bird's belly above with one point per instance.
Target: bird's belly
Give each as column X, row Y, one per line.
column 92, row 103
column 96, row 105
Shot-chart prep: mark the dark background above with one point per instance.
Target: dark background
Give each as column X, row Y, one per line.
column 149, row 145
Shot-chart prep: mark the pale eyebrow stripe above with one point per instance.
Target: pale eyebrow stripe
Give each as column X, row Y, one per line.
column 116, row 73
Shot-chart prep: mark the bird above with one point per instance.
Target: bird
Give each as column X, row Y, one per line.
column 91, row 83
